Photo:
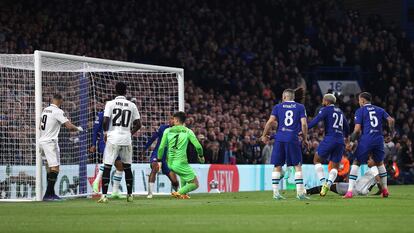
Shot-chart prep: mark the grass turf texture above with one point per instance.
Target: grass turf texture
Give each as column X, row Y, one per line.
column 226, row 212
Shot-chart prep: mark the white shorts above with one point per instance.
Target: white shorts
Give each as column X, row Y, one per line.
column 112, row 151
column 51, row 152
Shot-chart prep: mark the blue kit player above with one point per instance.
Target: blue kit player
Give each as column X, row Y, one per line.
column 98, row 146
column 332, row 147
column 290, row 118
column 368, row 121
column 154, row 164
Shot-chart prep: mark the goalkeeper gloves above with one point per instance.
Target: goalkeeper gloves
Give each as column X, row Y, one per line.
column 201, row 159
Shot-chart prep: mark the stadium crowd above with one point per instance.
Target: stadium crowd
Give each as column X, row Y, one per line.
column 238, row 57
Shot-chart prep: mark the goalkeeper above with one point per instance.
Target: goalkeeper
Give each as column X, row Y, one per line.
column 176, row 139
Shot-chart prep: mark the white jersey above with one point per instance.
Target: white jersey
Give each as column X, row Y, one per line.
column 363, row 184
column 122, row 113
column 51, row 119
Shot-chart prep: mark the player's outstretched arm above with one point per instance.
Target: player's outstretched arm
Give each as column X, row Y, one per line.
column 163, row 144
column 318, row 118
column 268, row 126
column 151, row 140
column 73, row 127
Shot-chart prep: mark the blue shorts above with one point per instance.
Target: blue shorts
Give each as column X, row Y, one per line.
column 331, row 151
column 164, row 167
column 286, row 152
column 363, row 149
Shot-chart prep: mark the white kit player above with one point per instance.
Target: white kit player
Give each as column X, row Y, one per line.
column 51, row 119
column 121, row 121
column 363, row 184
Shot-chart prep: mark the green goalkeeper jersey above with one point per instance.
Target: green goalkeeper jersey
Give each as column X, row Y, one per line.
column 176, row 139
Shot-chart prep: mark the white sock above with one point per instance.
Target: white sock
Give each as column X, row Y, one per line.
column 151, row 187
column 383, row 175
column 299, row 183
column 319, row 173
column 275, row 182
column 99, row 175
column 117, row 180
column 332, row 176
column 353, row 175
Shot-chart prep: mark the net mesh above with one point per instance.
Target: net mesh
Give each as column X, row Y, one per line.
column 85, row 88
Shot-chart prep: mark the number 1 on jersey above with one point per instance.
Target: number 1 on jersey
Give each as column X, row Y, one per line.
column 176, row 141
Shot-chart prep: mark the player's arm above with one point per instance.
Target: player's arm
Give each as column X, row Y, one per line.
column 358, row 126
column 72, row 127
column 151, row 140
column 318, row 118
column 136, row 124
column 199, row 148
column 265, row 135
column 391, row 124
column 346, row 127
column 60, row 116
column 304, row 123
column 162, row 146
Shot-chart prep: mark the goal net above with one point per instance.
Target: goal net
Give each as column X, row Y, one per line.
column 27, row 83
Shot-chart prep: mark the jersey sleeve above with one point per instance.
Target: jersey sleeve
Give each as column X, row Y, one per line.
column 60, row 117
column 193, row 139
column 302, row 112
column 163, row 144
column 358, row 116
column 319, row 117
column 274, row 111
column 108, row 109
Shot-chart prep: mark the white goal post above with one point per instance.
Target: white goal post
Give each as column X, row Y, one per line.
column 29, row 81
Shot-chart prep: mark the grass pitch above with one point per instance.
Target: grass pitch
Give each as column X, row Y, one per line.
column 226, row 212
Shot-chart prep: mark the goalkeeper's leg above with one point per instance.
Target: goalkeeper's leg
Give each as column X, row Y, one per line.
column 190, row 186
column 187, row 175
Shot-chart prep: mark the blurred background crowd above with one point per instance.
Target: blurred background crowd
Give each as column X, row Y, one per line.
column 238, row 57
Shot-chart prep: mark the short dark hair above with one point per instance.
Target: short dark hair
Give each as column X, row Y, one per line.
column 120, row 88
column 57, row 96
column 366, row 95
column 181, row 116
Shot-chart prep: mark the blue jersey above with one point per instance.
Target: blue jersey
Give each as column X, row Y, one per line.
column 97, row 135
column 288, row 115
column 336, row 125
column 156, row 136
column 370, row 118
